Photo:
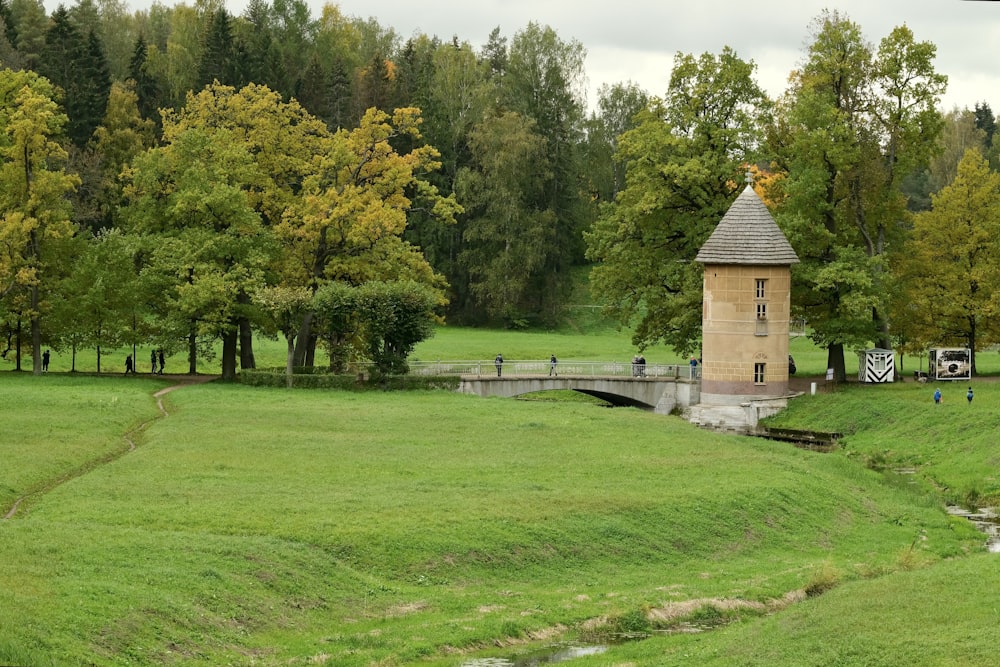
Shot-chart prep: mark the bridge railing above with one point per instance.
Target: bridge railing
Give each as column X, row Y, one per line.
column 542, row 368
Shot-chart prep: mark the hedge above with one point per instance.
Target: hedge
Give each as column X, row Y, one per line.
column 307, row 378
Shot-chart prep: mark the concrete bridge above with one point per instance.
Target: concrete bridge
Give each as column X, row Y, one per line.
column 657, row 387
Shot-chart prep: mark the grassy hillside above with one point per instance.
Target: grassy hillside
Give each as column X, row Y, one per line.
column 273, row 527
column 898, row 428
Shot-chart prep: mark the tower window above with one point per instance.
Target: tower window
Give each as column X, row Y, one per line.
column 761, row 285
column 758, row 373
column 761, row 311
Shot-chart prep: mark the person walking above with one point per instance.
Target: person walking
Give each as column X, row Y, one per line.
column 45, row 361
column 129, row 368
column 552, row 365
column 694, row 367
column 968, row 396
column 152, row 360
column 160, row 356
column 498, row 362
column 937, row 395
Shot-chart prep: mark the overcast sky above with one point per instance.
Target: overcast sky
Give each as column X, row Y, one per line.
column 635, row 40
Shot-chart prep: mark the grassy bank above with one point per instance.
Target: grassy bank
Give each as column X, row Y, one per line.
column 268, row 527
column 898, row 428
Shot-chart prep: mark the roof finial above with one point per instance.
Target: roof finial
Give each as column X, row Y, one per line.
column 749, row 177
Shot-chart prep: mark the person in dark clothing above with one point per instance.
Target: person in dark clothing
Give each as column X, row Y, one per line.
column 129, row 368
column 552, row 365
column 152, row 360
column 498, row 362
column 161, row 361
column 968, row 396
column 45, row 361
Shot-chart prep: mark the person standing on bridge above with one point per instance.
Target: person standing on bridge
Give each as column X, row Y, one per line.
column 498, row 362
column 552, row 365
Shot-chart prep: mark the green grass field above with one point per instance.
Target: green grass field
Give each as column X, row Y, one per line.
column 268, row 527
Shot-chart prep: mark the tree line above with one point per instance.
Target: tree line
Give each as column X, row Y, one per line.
column 179, row 175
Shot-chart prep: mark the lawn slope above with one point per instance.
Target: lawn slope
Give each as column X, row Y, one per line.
column 279, row 527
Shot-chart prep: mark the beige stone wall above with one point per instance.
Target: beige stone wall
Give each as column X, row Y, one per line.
column 735, row 339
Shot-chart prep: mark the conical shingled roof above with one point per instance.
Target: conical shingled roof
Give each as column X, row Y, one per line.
column 747, row 234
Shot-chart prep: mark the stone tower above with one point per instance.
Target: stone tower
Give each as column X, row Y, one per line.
column 746, row 308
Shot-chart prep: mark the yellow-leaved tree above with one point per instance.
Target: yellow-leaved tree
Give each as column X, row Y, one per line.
column 348, row 224
column 951, row 271
column 34, row 211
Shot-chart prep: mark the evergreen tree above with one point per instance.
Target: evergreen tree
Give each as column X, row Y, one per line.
column 7, row 17
column 375, row 86
column 986, row 121
column 76, row 64
column 218, row 55
column 147, row 90
column 316, row 94
column 30, row 22
column 256, row 56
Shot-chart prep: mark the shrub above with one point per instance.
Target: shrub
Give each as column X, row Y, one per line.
column 823, row 579
column 317, row 379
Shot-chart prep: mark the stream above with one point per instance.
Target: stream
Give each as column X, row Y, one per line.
column 985, row 519
column 546, row 656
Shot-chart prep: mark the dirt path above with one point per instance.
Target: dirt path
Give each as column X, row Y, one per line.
column 181, row 382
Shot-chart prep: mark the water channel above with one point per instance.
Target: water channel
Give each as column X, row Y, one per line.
column 547, row 656
column 987, row 520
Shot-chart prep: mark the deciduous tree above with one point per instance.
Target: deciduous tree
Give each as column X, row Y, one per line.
column 685, row 161
column 349, row 221
column 34, row 211
column 951, row 271
column 855, row 122
column 507, row 236
column 395, row 316
column 191, row 198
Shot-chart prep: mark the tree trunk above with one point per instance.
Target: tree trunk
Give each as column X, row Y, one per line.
column 17, row 348
column 311, row 350
column 302, row 340
column 229, row 354
column 247, row 359
column 835, row 360
column 36, row 334
column 972, row 347
column 192, row 351
column 289, row 361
